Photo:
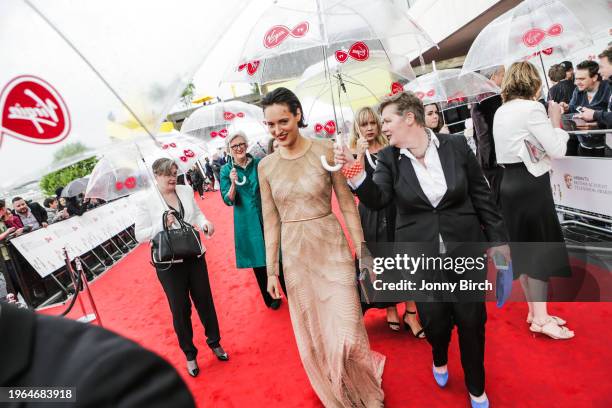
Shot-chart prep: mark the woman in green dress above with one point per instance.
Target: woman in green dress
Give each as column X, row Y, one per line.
column 240, row 190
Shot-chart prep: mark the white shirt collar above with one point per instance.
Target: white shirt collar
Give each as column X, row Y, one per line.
column 434, row 139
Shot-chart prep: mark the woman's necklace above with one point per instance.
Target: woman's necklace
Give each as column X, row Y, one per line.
column 419, row 157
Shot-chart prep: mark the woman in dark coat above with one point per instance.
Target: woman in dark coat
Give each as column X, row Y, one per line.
column 379, row 225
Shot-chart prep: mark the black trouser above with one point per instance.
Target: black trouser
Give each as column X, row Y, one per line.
column 438, row 319
column 200, row 189
column 181, row 280
column 494, row 177
column 262, row 280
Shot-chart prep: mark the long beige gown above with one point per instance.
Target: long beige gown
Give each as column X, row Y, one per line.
column 320, row 275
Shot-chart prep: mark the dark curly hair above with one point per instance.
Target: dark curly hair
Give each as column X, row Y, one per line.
column 283, row 96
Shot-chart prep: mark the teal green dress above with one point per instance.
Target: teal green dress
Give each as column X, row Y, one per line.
column 248, row 221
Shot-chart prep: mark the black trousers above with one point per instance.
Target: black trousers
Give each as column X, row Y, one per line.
column 179, row 282
column 438, row 319
column 262, row 280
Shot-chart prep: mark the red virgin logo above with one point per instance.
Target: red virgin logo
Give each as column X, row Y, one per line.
column 277, row 34
column 33, row 111
column 329, row 127
column 359, row 51
column 534, row 36
column 396, row 88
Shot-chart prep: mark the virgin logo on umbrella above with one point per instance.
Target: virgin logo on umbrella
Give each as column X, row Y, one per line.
column 359, row 51
column 329, row 127
column 277, row 34
column 251, row 67
column 231, row 115
column 396, row 88
column 421, row 95
column 129, row 183
column 222, row 133
column 535, row 36
column 33, row 111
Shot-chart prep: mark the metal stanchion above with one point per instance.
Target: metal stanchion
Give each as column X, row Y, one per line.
column 85, row 318
column 92, row 303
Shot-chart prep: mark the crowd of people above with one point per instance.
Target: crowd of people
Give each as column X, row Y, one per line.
column 414, row 181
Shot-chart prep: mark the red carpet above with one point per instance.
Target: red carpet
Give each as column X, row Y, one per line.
column 265, row 370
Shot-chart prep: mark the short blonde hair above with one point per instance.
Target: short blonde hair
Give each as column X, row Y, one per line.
column 522, row 81
column 361, row 117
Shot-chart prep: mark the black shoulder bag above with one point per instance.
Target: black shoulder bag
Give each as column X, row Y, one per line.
column 173, row 245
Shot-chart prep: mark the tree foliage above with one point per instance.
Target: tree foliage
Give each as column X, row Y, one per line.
column 188, row 92
column 69, row 150
column 59, row 178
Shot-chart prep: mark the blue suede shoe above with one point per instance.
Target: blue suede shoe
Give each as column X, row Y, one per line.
column 483, row 404
column 441, row 379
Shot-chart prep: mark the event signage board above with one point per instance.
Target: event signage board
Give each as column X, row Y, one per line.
column 583, row 183
column 43, row 248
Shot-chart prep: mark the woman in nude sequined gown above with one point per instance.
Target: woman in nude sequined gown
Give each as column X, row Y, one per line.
column 319, row 268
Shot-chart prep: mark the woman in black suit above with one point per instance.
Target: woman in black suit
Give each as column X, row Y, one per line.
column 441, row 196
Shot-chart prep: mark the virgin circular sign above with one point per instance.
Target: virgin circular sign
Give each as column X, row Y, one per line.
column 33, row 111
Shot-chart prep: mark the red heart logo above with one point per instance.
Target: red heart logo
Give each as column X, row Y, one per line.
column 172, row 144
column 330, row 127
column 396, row 88
column 189, row 153
column 165, row 147
column 33, row 111
column 214, row 134
column 119, row 186
column 431, row 93
column 341, row 56
column 555, row 30
column 548, row 51
column 223, row 132
column 300, row 30
column 533, row 37
column 183, row 159
column 130, row 182
column 318, row 128
column 228, row 115
column 240, row 114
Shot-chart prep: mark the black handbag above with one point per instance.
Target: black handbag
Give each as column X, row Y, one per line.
column 173, row 245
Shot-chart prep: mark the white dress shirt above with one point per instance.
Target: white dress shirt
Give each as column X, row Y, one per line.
column 521, row 120
column 430, row 177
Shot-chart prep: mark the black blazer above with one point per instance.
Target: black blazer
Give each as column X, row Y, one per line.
column 106, row 369
column 466, row 213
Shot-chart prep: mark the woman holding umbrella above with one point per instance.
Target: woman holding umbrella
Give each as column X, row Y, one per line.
column 432, row 119
column 248, row 220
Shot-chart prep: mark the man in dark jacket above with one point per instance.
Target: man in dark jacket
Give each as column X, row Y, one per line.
column 30, row 214
column 602, row 117
column 482, row 118
column 101, row 368
column 591, row 92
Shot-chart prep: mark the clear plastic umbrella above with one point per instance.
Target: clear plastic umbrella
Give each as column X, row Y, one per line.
column 69, row 65
column 451, row 89
column 213, row 123
column 354, row 83
column 75, row 187
column 292, row 35
column 526, row 30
